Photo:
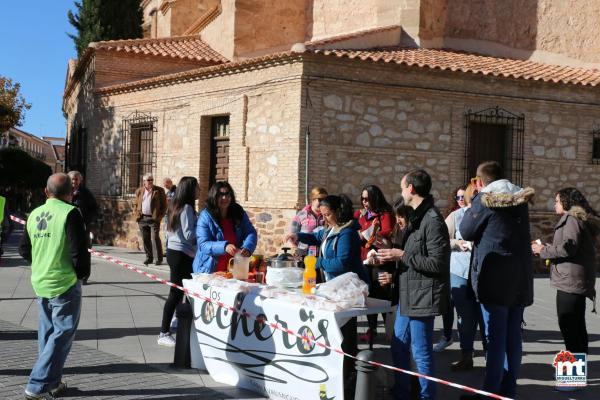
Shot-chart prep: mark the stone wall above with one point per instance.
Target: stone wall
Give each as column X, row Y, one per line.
column 550, row 31
column 373, row 124
column 220, row 32
column 271, row 225
column 256, row 31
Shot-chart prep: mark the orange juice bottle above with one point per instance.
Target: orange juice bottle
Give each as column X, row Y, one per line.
column 310, row 274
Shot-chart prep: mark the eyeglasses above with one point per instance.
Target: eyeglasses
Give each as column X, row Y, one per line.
column 224, row 194
column 364, row 199
column 457, row 198
column 149, row 180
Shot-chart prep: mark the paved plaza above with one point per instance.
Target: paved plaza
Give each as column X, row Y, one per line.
column 115, row 354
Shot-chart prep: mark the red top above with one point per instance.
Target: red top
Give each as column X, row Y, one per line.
column 229, row 235
column 365, row 220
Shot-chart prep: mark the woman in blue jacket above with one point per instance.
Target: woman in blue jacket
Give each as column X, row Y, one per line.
column 339, row 243
column 339, row 246
column 223, row 229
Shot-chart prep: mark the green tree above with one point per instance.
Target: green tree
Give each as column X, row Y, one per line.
column 12, row 104
column 19, row 170
column 97, row 20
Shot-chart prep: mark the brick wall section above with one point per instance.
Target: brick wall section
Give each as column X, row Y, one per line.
column 114, row 67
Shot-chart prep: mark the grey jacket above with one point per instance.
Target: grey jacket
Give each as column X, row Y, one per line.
column 184, row 238
column 425, row 267
column 572, row 253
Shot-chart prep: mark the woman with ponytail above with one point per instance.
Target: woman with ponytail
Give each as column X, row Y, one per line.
column 181, row 248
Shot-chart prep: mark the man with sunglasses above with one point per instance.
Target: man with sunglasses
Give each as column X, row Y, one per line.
column 149, row 209
column 501, row 272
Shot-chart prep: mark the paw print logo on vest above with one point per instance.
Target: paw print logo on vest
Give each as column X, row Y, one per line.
column 42, row 220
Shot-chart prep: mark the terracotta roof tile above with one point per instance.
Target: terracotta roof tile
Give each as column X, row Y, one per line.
column 411, row 57
column 183, row 47
column 473, row 63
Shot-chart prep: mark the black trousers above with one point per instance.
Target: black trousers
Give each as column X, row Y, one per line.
column 570, row 308
column 150, row 230
column 180, row 265
column 377, row 291
column 349, row 345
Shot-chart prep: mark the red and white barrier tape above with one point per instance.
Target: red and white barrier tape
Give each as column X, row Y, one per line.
column 281, row 328
column 19, row 220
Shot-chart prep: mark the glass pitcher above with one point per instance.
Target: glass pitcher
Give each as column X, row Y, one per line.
column 240, row 266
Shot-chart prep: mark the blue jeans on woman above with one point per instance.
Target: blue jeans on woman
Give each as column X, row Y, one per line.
column 416, row 334
column 58, row 320
column 505, row 348
column 467, row 311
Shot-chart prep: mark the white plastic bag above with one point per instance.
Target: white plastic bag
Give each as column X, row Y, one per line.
column 348, row 290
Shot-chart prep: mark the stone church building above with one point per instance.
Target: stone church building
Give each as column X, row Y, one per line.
column 279, row 96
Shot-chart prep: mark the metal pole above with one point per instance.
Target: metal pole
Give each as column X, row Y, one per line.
column 365, row 377
column 307, row 153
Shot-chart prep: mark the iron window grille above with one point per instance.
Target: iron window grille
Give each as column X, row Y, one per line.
column 139, row 152
column 77, row 150
column 596, row 146
column 502, row 124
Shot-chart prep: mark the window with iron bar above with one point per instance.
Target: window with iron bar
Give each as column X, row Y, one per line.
column 596, row 146
column 495, row 134
column 139, row 154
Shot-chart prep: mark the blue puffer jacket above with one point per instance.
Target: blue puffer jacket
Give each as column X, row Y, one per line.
column 211, row 242
column 341, row 252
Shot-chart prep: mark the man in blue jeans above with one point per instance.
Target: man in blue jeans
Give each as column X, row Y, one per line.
column 56, row 244
column 424, row 270
column 501, row 271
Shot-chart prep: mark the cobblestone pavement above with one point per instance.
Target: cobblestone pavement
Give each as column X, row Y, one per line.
column 92, row 374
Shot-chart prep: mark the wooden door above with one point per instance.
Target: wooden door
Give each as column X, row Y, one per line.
column 219, row 150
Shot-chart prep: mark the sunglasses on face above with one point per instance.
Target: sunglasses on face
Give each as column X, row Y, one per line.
column 364, row 199
column 149, row 180
column 457, row 197
column 224, row 194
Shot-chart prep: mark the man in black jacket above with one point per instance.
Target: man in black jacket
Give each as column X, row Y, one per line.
column 501, row 272
column 424, row 268
column 85, row 201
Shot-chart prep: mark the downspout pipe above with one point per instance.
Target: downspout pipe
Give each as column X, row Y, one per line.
column 307, row 153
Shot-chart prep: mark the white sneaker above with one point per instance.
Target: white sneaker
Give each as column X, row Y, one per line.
column 165, row 339
column 442, row 344
column 39, row 396
column 174, row 323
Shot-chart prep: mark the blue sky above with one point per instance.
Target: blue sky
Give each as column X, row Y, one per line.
column 35, row 50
